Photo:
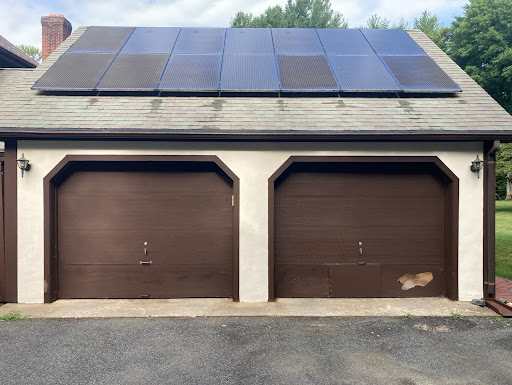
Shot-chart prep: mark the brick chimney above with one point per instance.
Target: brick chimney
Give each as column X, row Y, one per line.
column 56, row 29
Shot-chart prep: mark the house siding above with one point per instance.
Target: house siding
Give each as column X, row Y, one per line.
column 253, row 163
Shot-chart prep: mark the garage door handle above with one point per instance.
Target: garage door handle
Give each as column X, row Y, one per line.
column 145, row 262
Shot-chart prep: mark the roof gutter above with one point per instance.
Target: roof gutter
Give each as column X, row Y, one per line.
column 490, row 150
column 251, row 135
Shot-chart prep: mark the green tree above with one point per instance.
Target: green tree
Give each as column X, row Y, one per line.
column 377, row 22
column 402, row 24
column 296, row 14
column 480, row 42
column 31, row 51
column 428, row 23
column 504, row 172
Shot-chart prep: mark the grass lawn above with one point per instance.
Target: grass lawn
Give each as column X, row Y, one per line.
column 504, row 239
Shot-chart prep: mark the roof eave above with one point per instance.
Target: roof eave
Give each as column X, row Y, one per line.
column 17, row 61
column 241, row 135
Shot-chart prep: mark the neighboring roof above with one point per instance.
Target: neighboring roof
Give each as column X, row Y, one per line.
column 471, row 114
column 13, row 57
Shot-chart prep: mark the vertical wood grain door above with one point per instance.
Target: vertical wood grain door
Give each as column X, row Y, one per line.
column 139, row 233
column 355, row 230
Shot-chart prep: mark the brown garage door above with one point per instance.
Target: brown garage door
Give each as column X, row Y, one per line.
column 182, row 215
column 355, row 230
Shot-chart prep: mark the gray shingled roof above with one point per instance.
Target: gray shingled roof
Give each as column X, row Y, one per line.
column 471, row 114
column 15, row 55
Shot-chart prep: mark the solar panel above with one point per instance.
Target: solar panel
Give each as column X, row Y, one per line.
column 296, row 41
column 249, row 40
column 344, row 42
column 306, row 73
column 245, row 60
column 134, row 72
column 392, row 42
column 420, row 74
column 75, row 71
column 200, row 41
column 249, row 73
column 362, row 73
column 102, row 39
column 192, row 73
column 151, row 40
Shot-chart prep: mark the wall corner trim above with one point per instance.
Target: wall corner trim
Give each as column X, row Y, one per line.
column 11, row 221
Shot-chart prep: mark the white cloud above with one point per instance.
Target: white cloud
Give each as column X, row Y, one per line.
column 21, row 19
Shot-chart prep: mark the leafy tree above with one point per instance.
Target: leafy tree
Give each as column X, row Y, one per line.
column 296, row 14
column 429, row 23
column 504, row 171
column 31, row 51
column 480, row 42
column 377, row 22
column 242, row 20
column 402, row 24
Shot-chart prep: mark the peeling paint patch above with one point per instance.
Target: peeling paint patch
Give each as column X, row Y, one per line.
column 410, row 281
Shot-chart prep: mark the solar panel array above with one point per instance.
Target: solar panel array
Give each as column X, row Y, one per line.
column 245, row 60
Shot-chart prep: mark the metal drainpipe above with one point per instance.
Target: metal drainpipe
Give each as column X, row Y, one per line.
column 490, row 219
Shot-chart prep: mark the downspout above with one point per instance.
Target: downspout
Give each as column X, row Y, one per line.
column 490, row 218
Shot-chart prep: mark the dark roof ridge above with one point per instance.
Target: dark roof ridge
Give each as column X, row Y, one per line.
column 22, row 57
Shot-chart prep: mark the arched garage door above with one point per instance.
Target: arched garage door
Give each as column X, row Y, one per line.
column 145, row 230
column 363, row 230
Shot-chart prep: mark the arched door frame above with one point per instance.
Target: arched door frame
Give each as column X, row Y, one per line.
column 70, row 162
column 451, row 215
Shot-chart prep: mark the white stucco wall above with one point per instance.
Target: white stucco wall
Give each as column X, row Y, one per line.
column 253, row 163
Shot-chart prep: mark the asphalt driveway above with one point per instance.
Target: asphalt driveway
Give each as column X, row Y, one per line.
column 257, row 351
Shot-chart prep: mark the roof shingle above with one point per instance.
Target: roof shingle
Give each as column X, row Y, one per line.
column 472, row 112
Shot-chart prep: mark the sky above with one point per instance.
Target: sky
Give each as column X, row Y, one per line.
column 21, row 23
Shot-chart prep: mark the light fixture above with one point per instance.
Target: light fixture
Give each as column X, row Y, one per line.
column 476, row 166
column 23, row 164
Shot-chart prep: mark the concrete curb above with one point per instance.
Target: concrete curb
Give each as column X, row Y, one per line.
column 190, row 308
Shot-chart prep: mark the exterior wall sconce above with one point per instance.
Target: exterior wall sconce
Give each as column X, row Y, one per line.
column 476, row 166
column 23, row 164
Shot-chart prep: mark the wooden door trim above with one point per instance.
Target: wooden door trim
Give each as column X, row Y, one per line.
column 59, row 174
column 451, row 219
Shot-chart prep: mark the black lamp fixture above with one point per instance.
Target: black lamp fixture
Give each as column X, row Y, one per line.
column 476, row 166
column 23, row 164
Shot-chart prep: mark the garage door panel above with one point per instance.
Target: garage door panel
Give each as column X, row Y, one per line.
column 186, row 219
column 390, row 274
column 181, row 246
column 93, row 281
column 354, row 281
column 345, row 185
column 315, row 211
column 306, row 281
column 322, row 212
column 386, row 246
column 125, row 183
column 186, row 281
column 128, row 213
